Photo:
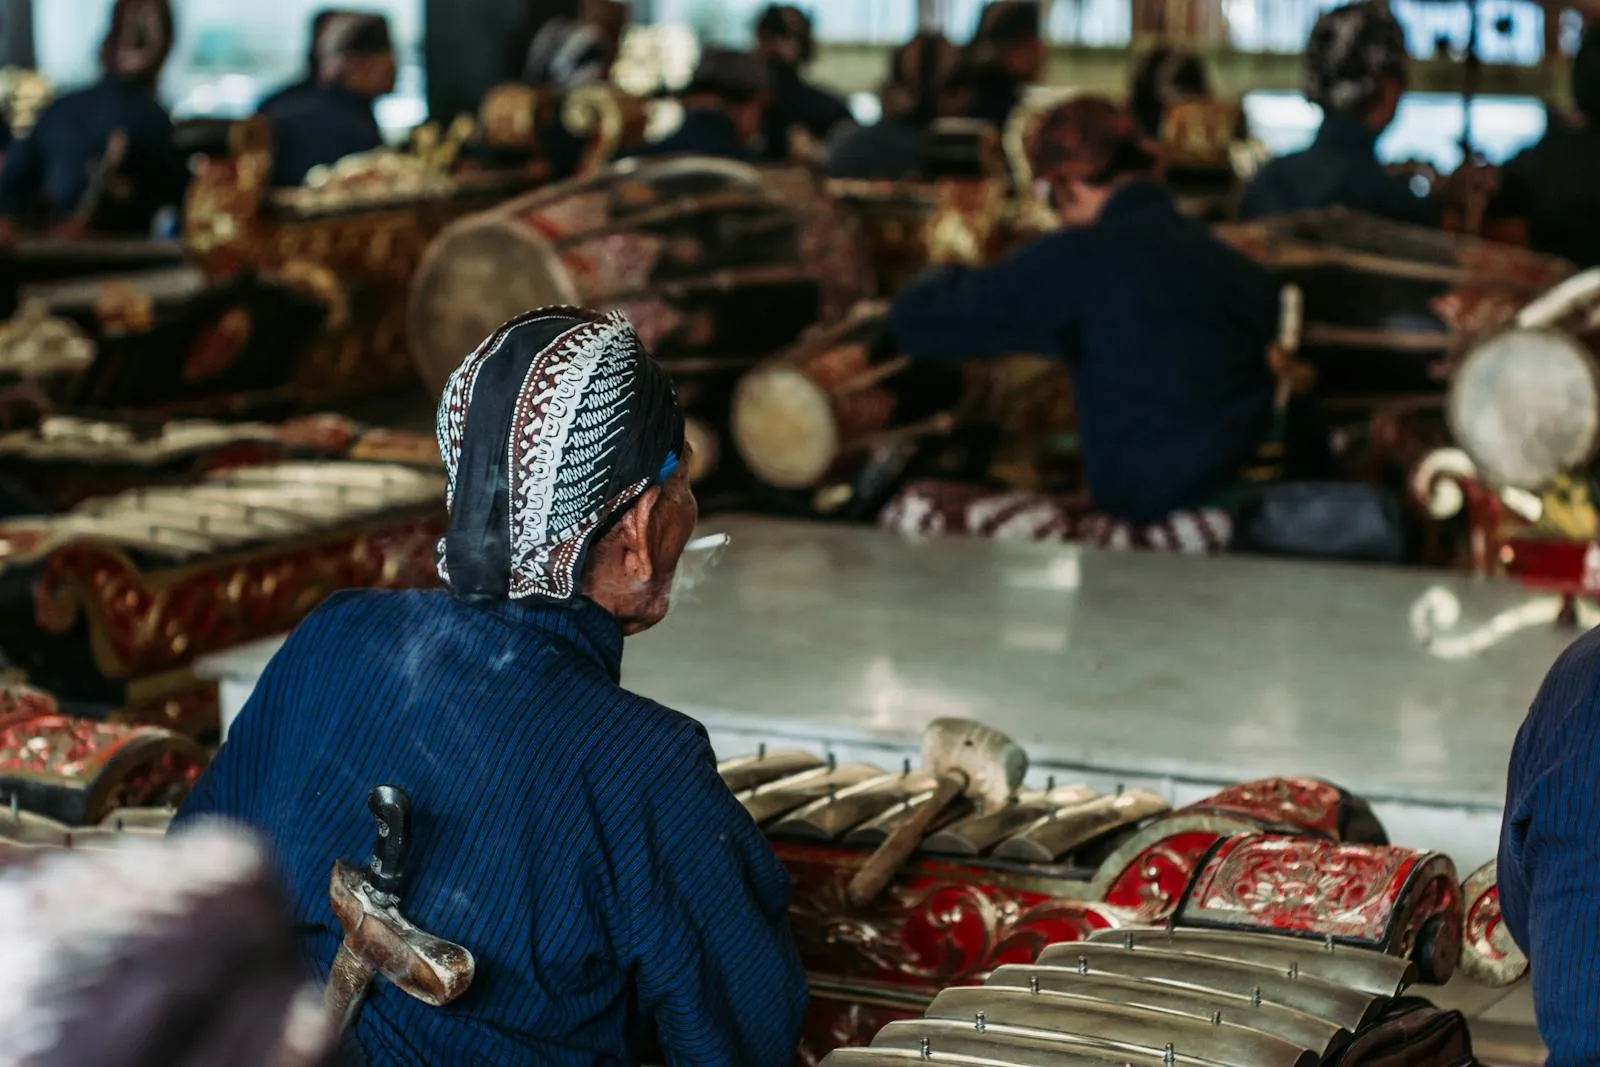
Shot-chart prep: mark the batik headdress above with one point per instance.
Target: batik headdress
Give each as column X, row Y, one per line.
column 1351, row 51
column 550, row 431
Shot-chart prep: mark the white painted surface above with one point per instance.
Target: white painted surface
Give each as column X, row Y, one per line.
column 1176, row 675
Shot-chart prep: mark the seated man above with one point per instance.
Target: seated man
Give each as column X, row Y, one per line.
column 1164, row 328
column 1006, row 56
column 1356, row 68
column 722, row 109
column 64, row 174
column 319, row 28
column 575, row 837
column 925, row 83
column 784, row 40
column 1163, row 77
column 319, row 127
column 1554, row 187
column 1549, row 869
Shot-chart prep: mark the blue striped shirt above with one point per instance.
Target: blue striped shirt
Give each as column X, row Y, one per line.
column 575, row 837
column 1550, row 853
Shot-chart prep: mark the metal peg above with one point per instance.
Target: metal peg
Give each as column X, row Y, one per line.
column 1050, row 784
column 927, row 1048
column 1216, row 1018
column 833, row 763
column 978, row 1022
column 1127, row 942
column 1168, row 1056
column 1033, row 984
column 833, row 793
column 1120, row 788
column 1083, row 964
column 1294, row 971
column 905, row 767
column 16, row 808
column 1255, row 996
column 761, row 751
column 1327, row 943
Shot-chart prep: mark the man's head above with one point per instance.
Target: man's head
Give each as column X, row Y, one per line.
column 1356, row 63
column 783, row 33
column 1164, row 77
column 1084, row 151
column 734, row 83
column 919, row 72
column 1586, row 76
column 319, row 29
column 1008, row 38
column 139, row 41
column 564, row 447
column 355, row 51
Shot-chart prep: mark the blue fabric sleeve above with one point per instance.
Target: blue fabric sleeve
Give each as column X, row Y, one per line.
column 706, row 917
column 1549, row 866
column 1015, row 307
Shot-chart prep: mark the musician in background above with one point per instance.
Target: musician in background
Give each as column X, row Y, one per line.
column 568, row 54
column 926, row 82
column 65, row 172
column 321, row 126
column 312, row 77
column 575, row 837
column 1006, row 56
column 1554, row 187
column 1165, row 76
column 723, row 107
column 1356, row 69
column 784, row 41
column 1164, row 328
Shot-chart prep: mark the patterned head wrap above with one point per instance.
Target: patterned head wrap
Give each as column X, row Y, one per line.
column 1352, row 51
column 1089, row 139
column 154, row 953
column 549, row 432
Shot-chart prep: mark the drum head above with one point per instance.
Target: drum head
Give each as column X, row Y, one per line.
column 478, row 274
column 784, row 428
column 1525, row 405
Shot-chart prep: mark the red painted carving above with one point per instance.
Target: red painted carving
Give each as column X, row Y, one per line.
column 1301, row 803
column 145, row 623
column 1149, row 888
column 1553, row 564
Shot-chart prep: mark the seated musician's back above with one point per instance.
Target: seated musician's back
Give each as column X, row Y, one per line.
column 1356, row 66
column 318, row 126
column 1165, row 329
column 575, row 837
column 723, row 106
column 51, row 173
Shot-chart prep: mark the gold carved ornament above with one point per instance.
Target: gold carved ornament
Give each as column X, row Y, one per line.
column 24, row 94
column 610, row 119
column 509, row 116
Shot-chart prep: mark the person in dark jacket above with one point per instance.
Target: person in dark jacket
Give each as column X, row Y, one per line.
column 923, row 86
column 1356, row 68
column 1006, row 56
column 1165, row 328
column 784, row 40
column 722, row 109
column 1163, row 77
column 337, row 119
column 312, row 77
column 568, row 54
column 575, row 837
column 1554, row 186
column 65, row 174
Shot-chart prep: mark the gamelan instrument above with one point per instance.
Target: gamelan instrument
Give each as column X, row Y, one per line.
column 109, row 603
column 1275, row 874
column 838, row 410
column 715, row 262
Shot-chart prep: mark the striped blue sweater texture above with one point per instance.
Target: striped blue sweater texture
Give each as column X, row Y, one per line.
column 575, row 837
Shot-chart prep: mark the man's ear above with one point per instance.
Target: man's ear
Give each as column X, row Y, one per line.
column 638, row 529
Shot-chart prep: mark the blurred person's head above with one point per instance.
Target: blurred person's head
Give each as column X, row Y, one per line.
column 734, row 83
column 1356, row 63
column 356, row 52
column 1008, row 39
column 139, row 40
column 784, row 34
column 1164, row 77
column 1083, row 152
column 919, row 72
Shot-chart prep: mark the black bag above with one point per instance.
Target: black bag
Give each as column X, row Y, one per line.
column 1320, row 520
column 1410, row 1033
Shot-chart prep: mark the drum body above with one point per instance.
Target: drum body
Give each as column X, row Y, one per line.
column 710, row 259
column 818, row 412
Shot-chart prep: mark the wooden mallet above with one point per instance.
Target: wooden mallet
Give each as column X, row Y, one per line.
column 969, row 759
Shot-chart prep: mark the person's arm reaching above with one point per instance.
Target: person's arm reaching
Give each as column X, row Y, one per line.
column 706, row 920
column 1015, row 307
column 1549, row 870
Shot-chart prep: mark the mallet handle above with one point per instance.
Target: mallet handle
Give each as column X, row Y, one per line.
column 884, row 864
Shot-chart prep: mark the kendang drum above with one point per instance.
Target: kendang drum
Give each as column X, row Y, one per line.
column 815, row 415
column 710, row 259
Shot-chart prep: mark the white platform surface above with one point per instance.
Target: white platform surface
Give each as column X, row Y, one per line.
column 1182, row 675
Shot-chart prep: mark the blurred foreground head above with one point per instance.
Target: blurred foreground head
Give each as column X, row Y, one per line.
column 160, row 953
column 563, row 442
column 1085, row 150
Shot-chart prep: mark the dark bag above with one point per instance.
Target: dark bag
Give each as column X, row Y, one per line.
column 1320, row 520
column 1410, row 1033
